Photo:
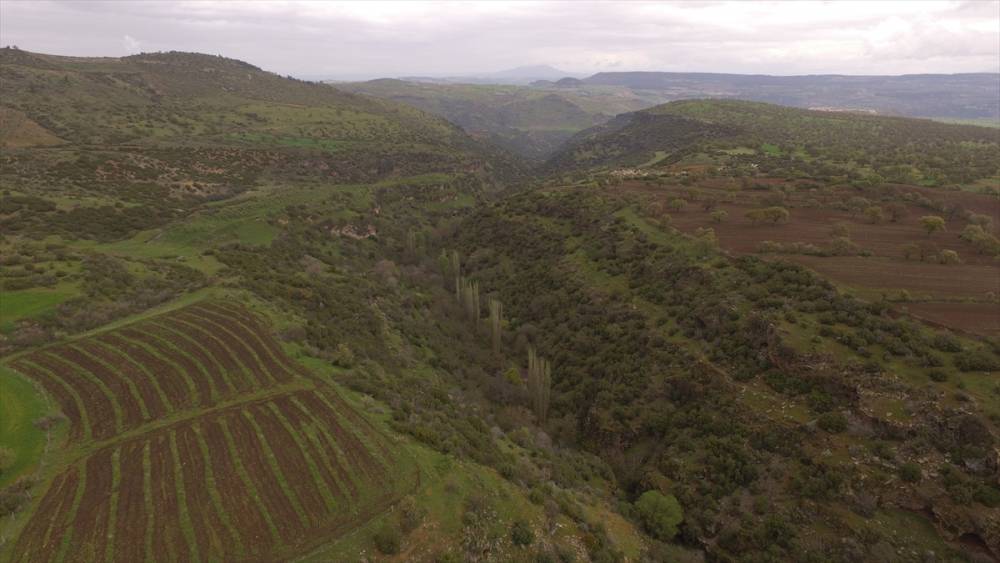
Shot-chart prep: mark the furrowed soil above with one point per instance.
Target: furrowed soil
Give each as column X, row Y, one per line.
column 959, row 296
column 269, row 469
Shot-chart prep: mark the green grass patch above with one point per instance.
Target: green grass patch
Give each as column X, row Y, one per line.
column 21, row 404
column 27, row 303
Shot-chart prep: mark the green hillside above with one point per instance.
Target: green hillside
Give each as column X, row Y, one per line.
column 247, row 317
column 793, row 141
column 531, row 121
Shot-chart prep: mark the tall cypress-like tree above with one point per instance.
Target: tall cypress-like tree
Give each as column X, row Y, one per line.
column 539, row 384
column 496, row 318
column 456, row 270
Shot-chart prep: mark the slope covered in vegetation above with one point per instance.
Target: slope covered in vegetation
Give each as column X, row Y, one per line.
column 791, row 142
column 531, row 121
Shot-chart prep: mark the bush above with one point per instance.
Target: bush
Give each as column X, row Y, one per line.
column 910, row 472
column 660, row 514
column 832, row 422
column 937, row 375
column 388, row 539
column 976, row 360
column 521, row 533
column 7, row 459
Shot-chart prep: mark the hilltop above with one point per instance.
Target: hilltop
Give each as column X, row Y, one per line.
column 967, row 96
column 799, row 142
column 531, row 121
column 170, row 130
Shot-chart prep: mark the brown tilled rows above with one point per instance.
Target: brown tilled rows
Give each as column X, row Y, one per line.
column 100, row 411
column 300, row 419
column 169, row 542
column 208, row 342
column 252, row 339
column 238, row 346
column 244, row 514
column 67, row 404
column 130, row 528
column 153, row 335
column 123, row 354
column 253, row 323
column 292, row 462
column 114, row 381
column 90, row 524
column 237, row 374
column 280, row 507
column 41, row 537
column 358, row 456
column 209, row 528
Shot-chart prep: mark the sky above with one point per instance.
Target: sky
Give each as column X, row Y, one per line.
column 354, row 40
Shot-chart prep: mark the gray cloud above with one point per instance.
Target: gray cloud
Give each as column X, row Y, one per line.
column 407, row 38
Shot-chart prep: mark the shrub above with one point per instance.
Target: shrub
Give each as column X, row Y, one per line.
column 388, row 539
column 521, row 533
column 910, row 472
column 937, row 375
column 976, row 360
column 832, row 422
column 7, row 459
column 660, row 514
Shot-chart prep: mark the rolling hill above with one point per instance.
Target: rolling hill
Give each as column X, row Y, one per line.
column 766, row 135
column 530, row 121
column 968, row 96
column 246, row 317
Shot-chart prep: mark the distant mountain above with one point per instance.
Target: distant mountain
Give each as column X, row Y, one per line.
column 960, row 96
column 531, row 121
column 521, row 75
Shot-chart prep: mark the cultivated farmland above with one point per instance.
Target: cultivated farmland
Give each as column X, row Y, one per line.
column 872, row 242
column 193, row 436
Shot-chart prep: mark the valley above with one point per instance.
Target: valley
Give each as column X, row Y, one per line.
column 247, row 317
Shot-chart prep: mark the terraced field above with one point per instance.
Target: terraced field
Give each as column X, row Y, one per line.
column 194, row 437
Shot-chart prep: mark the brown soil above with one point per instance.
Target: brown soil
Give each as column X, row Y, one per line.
column 130, row 529
column 152, row 334
column 250, row 338
column 813, row 214
column 240, row 344
column 90, row 524
column 100, row 411
column 115, row 382
column 216, row 349
column 245, row 516
column 978, row 318
column 293, row 463
column 123, row 354
column 280, row 508
column 41, row 537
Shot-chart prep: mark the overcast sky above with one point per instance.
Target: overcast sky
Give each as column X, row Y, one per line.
column 369, row 39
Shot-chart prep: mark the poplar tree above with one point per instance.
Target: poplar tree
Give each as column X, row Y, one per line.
column 496, row 317
column 539, row 384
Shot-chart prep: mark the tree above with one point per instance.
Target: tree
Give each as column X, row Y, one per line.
column 719, row 215
column 932, row 224
column 949, row 257
column 521, row 533
column 677, row 204
column 539, row 384
column 840, row 230
column 660, row 514
column 874, row 214
column 388, row 539
column 496, row 319
column 773, row 215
